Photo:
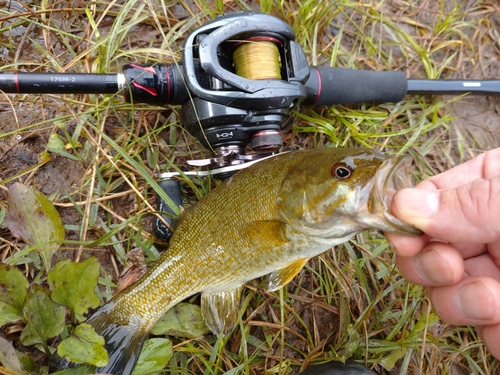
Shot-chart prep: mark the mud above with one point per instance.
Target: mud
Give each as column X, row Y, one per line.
column 22, row 151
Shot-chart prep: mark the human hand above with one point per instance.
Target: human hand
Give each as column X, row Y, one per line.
column 458, row 257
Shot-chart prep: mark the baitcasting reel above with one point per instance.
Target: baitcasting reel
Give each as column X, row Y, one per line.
column 239, row 77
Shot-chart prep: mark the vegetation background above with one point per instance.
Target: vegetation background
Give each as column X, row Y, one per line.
column 350, row 302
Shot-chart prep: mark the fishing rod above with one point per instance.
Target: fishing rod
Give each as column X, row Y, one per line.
column 239, row 77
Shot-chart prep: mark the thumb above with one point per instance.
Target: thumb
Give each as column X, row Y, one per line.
column 468, row 213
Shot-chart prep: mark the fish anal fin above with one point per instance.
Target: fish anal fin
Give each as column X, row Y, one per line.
column 220, row 309
column 284, row 275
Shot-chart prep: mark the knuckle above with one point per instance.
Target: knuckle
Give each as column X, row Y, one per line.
column 479, row 203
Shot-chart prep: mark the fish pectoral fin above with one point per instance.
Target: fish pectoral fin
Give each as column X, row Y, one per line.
column 220, row 309
column 282, row 276
column 266, row 234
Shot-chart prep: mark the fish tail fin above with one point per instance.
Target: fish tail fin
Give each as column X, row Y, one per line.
column 122, row 342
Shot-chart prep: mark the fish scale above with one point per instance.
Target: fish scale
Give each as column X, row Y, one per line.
column 269, row 218
column 212, row 225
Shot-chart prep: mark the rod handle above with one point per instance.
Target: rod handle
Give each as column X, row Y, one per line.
column 328, row 86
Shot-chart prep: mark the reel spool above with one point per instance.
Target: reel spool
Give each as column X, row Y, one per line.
column 257, row 58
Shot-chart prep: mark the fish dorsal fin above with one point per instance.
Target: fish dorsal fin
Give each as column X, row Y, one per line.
column 282, row 276
column 220, row 309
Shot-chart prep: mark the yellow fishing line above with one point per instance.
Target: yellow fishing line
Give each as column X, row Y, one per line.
column 257, row 60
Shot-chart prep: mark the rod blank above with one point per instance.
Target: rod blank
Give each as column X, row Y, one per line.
column 453, row 87
column 60, row 83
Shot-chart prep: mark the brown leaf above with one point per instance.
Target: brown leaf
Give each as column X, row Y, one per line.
column 32, row 217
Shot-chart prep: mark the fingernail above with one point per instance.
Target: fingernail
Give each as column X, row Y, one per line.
column 472, row 300
column 432, row 267
column 417, row 203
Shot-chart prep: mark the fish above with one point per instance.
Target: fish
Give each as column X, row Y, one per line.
column 268, row 219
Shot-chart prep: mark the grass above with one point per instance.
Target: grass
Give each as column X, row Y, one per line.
column 347, row 303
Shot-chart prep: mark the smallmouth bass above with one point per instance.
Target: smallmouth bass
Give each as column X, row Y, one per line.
column 269, row 218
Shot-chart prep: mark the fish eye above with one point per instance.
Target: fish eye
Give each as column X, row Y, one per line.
column 341, row 171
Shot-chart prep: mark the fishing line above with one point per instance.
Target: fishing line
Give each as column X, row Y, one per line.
column 257, row 58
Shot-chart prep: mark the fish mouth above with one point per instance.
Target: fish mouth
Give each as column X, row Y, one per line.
column 394, row 174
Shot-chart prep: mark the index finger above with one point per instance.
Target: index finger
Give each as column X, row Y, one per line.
column 407, row 246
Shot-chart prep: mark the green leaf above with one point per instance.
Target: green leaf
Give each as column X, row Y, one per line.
column 73, row 285
column 55, row 143
column 154, row 356
column 14, row 288
column 27, row 362
column 354, row 340
column 3, row 211
column 183, row 320
column 84, row 346
column 390, row 360
column 32, row 217
column 45, row 318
